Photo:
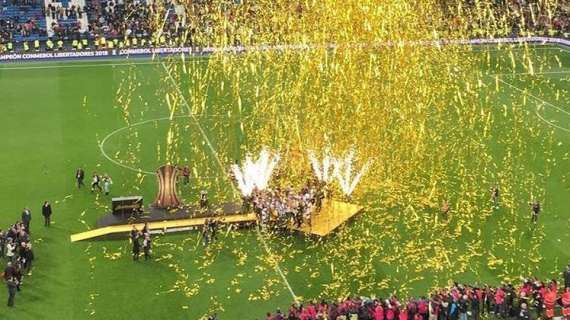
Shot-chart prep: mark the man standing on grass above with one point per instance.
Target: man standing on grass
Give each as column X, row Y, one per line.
column 206, row 233
column 186, row 175
column 79, row 176
column 136, row 248
column 535, row 206
column 445, row 209
column 495, row 197
column 9, row 271
column 27, row 219
column 3, row 239
column 107, row 182
column 146, row 246
column 95, row 182
column 12, row 284
column 203, row 199
column 46, row 212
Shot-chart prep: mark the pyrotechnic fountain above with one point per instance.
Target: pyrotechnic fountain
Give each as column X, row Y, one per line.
column 255, row 174
column 324, row 170
column 344, row 168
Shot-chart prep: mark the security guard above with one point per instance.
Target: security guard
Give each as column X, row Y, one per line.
column 10, row 46
column 85, row 43
column 74, row 44
column 49, row 45
column 59, row 45
column 135, row 42
column 37, row 45
column 26, row 46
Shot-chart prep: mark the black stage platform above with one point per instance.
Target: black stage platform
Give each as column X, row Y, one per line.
column 152, row 214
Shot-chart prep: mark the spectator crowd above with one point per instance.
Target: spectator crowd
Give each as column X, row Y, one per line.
column 16, row 248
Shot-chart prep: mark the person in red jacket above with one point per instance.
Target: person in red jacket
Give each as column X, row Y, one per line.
column 565, row 299
column 549, row 302
column 391, row 313
column 423, row 308
column 379, row 312
column 403, row 314
column 499, row 301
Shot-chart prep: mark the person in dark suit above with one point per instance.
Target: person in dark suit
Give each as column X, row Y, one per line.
column 146, row 230
column 136, row 248
column 12, row 284
column 3, row 240
column 96, row 182
column 203, row 200
column 46, row 212
column 9, row 271
column 535, row 206
column 27, row 219
column 134, row 233
column 79, row 176
column 147, row 246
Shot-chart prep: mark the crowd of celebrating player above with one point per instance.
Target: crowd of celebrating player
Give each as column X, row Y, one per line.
column 282, row 208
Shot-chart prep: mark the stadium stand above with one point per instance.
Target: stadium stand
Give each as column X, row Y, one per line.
column 87, row 24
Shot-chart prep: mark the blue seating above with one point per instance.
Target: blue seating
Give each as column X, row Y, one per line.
column 25, row 13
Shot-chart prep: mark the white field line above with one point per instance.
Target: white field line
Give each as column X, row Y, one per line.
column 121, row 164
column 479, row 47
column 536, row 47
column 215, row 153
column 548, row 122
column 537, row 107
column 96, row 65
column 534, row 97
column 192, row 116
column 563, row 71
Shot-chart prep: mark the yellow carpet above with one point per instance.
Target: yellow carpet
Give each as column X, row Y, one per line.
column 332, row 215
column 159, row 225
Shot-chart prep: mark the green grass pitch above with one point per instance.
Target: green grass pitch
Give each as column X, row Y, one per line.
column 55, row 114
